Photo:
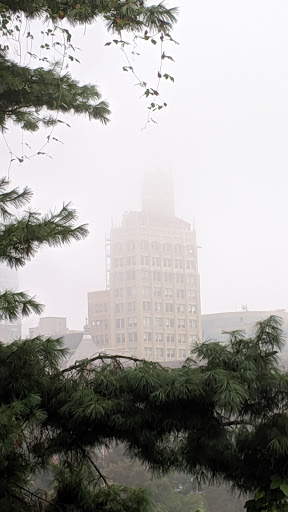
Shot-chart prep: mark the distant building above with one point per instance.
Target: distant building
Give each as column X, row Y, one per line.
column 85, row 350
column 56, row 327
column 49, row 326
column 214, row 324
column 151, row 307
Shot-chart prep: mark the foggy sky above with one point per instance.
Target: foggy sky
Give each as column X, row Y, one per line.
column 223, row 136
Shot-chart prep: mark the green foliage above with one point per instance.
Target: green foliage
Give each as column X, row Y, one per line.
column 274, row 499
column 25, row 93
column 222, row 416
column 21, row 237
column 35, row 96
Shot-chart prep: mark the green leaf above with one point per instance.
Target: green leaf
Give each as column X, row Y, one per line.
column 259, row 494
column 284, row 488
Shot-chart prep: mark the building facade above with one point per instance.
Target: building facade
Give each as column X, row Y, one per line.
column 153, row 296
column 49, row 326
column 214, row 324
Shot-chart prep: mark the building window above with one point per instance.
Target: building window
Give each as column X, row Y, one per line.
column 168, row 292
column 179, row 264
column 119, row 308
column 147, row 336
column 167, row 262
column 182, row 353
column 193, row 324
column 189, row 250
column 181, row 338
column 159, row 353
column 120, row 323
column 155, row 246
column 179, row 249
column 168, row 277
column 119, row 292
column 166, row 248
column 158, row 321
column 101, row 324
column 143, row 245
column 120, row 338
column 144, row 260
column 156, row 276
column 147, row 306
column 148, row 352
column 131, row 245
column 147, row 321
column 155, row 261
column 131, row 260
column 134, row 352
column 191, row 294
column 157, row 307
column 170, row 353
column 146, row 291
column 181, row 323
column 132, row 337
column 180, row 293
column 169, row 307
column 145, row 275
column 131, row 291
column 132, row 321
column 193, row 338
column 170, row 322
column 118, row 276
column 99, row 308
column 130, row 275
column 192, row 308
column 170, row 338
column 190, row 279
column 157, row 292
column 131, row 306
column 158, row 337
column 118, row 248
column 190, row 264
column 180, row 278
column 181, row 308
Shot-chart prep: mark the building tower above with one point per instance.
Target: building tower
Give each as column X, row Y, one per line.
column 154, row 281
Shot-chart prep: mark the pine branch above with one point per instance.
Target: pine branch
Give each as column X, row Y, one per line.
column 16, row 304
column 13, row 198
column 24, row 92
column 96, row 468
column 22, row 238
column 36, row 496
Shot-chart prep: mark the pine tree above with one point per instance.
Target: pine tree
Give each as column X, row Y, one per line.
column 34, row 96
column 221, row 416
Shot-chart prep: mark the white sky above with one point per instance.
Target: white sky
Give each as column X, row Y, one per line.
column 223, row 136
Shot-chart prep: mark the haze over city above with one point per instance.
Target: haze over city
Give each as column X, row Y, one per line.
column 223, row 136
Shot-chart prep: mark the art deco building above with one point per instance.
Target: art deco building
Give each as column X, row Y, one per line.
column 151, row 307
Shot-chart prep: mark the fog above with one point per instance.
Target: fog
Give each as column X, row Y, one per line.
column 223, row 136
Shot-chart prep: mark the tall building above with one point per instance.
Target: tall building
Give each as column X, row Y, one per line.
column 151, row 308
